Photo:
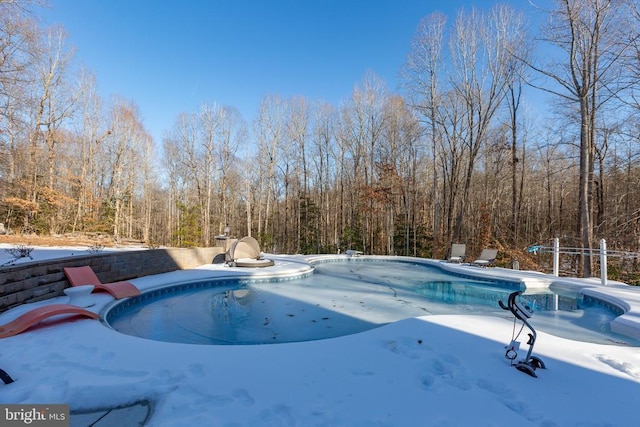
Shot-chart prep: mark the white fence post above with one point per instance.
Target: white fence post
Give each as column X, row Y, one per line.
column 603, row 262
column 556, row 257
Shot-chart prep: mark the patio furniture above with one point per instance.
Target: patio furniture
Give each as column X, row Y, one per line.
column 246, row 253
column 79, row 276
column 458, row 252
column 80, row 295
column 35, row 316
column 486, row 258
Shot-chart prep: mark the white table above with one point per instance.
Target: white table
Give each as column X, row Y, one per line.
column 80, row 295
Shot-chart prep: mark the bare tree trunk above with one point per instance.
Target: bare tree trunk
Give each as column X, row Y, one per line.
column 594, row 35
column 421, row 75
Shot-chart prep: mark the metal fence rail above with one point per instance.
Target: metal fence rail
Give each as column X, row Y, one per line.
column 602, row 251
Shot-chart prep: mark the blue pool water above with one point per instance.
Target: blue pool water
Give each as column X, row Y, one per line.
column 341, row 298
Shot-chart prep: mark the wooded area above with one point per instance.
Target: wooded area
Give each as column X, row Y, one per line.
column 459, row 153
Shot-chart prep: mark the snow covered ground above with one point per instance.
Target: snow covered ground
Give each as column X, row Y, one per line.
column 446, row 370
column 9, row 252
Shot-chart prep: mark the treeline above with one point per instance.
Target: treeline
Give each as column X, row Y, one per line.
column 457, row 154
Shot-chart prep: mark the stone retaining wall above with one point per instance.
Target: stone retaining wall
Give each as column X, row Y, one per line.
column 40, row 280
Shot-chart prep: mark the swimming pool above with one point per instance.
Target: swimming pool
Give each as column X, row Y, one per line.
column 341, row 297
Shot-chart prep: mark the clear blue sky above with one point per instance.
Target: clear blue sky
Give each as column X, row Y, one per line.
column 172, row 56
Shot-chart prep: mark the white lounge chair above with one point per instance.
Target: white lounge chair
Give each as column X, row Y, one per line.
column 486, row 258
column 458, row 252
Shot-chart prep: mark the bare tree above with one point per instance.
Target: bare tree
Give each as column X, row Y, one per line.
column 232, row 134
column 510, row 25
column 421, row 75
column 297, row 135
column 479, row 56
column 269, row 128
column 51, row 63
column 362, row 122
column 207, row 129
column 123, row 147
column 179, row 182
column 592, row 36
column 398, row 170
column 188, row 178
column 61, row 98
column 90, row 138
column 323, row 159
column 18, row 41
column 451, row 154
